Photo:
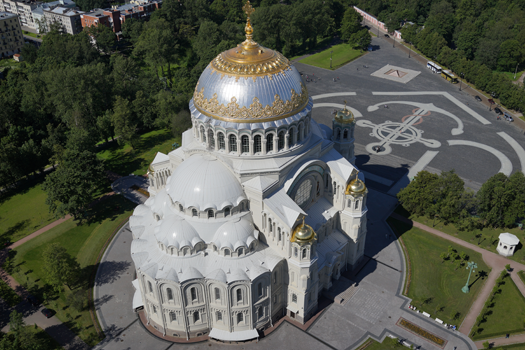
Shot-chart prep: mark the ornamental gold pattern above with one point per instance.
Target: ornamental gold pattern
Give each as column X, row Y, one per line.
column 274, row 64
column 256, row 112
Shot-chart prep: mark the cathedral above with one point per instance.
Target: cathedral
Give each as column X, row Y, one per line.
column 257, row 212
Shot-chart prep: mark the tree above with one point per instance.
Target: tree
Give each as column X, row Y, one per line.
column 29, row 53
column 125, row 125
column 443, row 257
column 351, row 23
column 486, row 345
column 361, row 40
column 60, row 268
column 103, row 36
column 72, row 186
column 419, row 196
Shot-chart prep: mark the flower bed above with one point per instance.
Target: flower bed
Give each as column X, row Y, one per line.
column 421, row 332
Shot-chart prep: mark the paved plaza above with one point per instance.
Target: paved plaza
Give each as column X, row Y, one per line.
column 428, row 124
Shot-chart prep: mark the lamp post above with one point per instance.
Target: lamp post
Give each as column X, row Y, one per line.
column 490, row 103
column 394, row 35
column 471, row 265
column 409, row 50
column 460, row 81
column 331, row 59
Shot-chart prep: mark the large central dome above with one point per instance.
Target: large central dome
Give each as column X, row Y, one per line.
column 250, row 83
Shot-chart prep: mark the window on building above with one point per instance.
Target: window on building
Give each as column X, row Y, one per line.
column 242, row 206
column 173, row 316
column 303, row 192
column 181, row 208
column 196, row 317
column 295, row 252
column 154, row 309
column 300, row 133
column 304, row 253
column 259, row 289
column 210, row 214
column 279, row 234
column 217, row 294
column 239, row 295
column 227, row 211
column 318, row 190
column 211, row 139
column 240, row 317
column 245, row 144
column 269, row 142
column 356, row 204
column 193, row 293
column 233, row 143
column 222, row 144
column 290, row 137
column 203, row 134
column 226, row 252
column 241, row 251
column 270, row 225
column 186, row 251
column 294, row 298
column 170, row 294
column 275, row 275
column 219, row 316
column 194, row 212
column 280, row 142
column 150, row 287
column 345, row 134
column 257, row 144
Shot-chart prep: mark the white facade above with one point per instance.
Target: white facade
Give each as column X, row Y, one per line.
column 68, row 18
column 507, row 244
column 225, row 245
column 22, row 8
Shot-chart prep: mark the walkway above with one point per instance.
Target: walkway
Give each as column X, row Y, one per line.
column 497, row 263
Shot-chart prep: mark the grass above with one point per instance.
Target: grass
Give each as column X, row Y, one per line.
column 486, row 238
column 510, row 75
column 435, row 286
column 507, row 313
column 124, row 160
column 522, row 276
column 388, row 343
column 81, row 241
column 520, row 346
column 8, row 62
column 38, row 36
column 24, row 212
column 342, row 54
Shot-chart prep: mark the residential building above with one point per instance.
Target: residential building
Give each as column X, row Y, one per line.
column 11, row 38
column 22, row 8
column 38, row 13
column 68, row 18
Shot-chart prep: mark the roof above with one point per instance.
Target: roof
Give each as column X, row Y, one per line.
column 260, row 183
column 328, row 248
column 284, row 207
column 6, row 15
column 234, row 336
column 509, row 238
column 160, row 158
column 338, row 164
column 63, row 11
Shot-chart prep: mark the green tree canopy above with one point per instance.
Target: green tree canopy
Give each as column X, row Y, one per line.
column 60, row 268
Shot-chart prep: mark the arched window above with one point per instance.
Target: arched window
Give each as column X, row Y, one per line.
column 241, row 251
column 150, row 287
column 318, row 190
column 220, row 137
column 239, row 295
column 217, row 294
column 196, row 317
column 211, row 139
column 294, row 298
column 300, row 133
column 170, row 294
column 181, row 208
column 210, row 214
column 304, row 253
column 269, row 142
column 345, row 134
column 186, row 251
column 219, row 316
column 242, row 207
column 226, row 252
column 227, row 211
column 279, row 234
column 194, row 212
column 295, row 252
column 259, row 289
column 337, row 134
column 275, row 275
column 357, row 204
column 303, row 192
column 173, row 316
column 203, row 134
column 257, row 144
column 270, row 224
column 240, row 317
column 245, row 144
column 193, row 293
column 290, row 137
column 280, row 142
column 233, row 143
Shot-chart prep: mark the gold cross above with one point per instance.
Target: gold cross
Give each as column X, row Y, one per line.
column 345, row 104
column 248, row 9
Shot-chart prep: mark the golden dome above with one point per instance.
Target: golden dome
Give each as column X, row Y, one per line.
column 344, row 116
column 355, row 186
column 303, row 233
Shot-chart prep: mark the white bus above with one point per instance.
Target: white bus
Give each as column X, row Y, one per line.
column 434, row 67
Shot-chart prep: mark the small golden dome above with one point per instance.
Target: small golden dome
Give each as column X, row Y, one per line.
column 355, row 186
column 344, row 116
column 303, row 233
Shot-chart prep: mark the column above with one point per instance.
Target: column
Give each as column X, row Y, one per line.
column 275, row 144
column 286, row 140
column 263, row 146
column 239, row 149
column 251, row 147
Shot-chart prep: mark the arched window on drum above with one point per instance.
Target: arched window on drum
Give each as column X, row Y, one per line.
column 280, row 142
column 269, row 143
column 220, row 137
column 203, row 134
column 233, row 143
column 257, row 144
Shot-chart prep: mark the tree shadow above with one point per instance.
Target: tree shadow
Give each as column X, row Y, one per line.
column 65, row 337
column 110, row 271
column 102, row 300
column 480, row 275
column 11, row 231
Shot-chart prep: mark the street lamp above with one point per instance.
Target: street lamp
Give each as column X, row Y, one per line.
column 394, row 35
column 460, row 81
column 490, row 103
column 331, row 59
column 471, row 265
column 410, row 50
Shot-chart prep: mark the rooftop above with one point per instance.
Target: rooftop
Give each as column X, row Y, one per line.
column 5, row 15
column 64, row 11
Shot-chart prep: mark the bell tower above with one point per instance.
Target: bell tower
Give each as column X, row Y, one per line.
column 343, row 125
column 302, row 267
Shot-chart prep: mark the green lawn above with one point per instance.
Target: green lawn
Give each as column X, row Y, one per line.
column 24, row 212
column 33, row 34
column 83, row 242
column 124, row 160
column 510, row 75
column 508, row 313
column 388, row 343
column 342, row 54
column 522, row 275
column 435, row 286
column 511, row 347
column 487, row 238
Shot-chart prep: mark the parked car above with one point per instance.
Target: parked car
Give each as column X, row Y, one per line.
column 387, row 36
column 508, row 117
column 498, row 111
column 33, row 300
column 48, row 313
column 477, row 98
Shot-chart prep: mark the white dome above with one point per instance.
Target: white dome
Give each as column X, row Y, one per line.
column 235, row 233
column 160, row 203
column 203, row 182
column 174, row 231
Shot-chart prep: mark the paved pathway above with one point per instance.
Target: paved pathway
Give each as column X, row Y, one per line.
column 39, row 232
column 497, row 263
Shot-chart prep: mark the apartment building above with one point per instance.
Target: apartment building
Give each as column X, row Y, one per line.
column 68, row 18
column 41, row 25
column 22, row 8
column 11, row 39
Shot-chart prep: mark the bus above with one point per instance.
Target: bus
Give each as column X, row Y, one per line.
column 433, row 67
column 449, row 76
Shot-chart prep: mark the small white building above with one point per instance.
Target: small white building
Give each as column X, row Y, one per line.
column 507, row 244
